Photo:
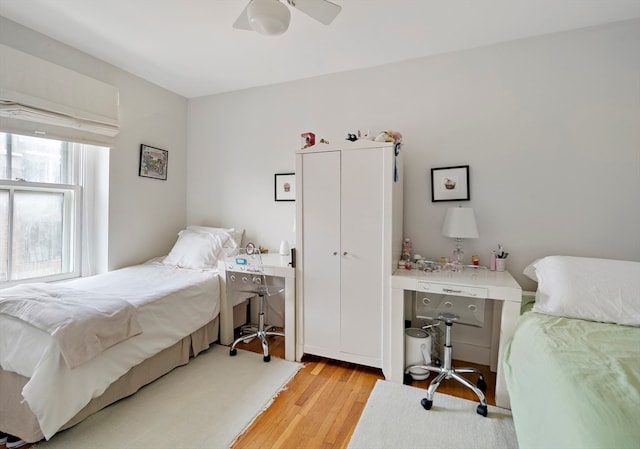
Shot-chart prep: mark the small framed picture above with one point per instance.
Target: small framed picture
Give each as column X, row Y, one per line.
column 153, row 162
column 285, row 186
column 450, row 183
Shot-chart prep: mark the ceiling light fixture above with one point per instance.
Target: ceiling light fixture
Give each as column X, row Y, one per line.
column 272, row 17
column 268, row 17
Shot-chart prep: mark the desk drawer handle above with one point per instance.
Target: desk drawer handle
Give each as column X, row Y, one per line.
column 450, row 290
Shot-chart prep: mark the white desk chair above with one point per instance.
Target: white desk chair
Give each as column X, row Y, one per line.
column 245, row 273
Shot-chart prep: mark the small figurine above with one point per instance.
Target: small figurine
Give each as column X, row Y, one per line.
column 406, row 250
column 308, row 140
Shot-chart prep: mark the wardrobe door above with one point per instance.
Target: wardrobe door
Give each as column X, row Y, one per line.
column 362, row 204
column 321, row 257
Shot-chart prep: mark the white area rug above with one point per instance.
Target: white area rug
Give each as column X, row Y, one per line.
column 205, row 404
column 394, row 419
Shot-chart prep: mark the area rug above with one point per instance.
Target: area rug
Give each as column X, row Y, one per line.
column 394, row 419
column 205, row 404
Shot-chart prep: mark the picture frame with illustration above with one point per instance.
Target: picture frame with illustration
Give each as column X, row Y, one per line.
column 450, row 184
column 153, row 162
column 285, row 186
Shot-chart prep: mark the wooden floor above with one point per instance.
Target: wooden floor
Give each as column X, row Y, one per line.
column 323, row 402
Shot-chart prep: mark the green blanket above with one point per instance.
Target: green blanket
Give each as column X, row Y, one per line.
column 574, row 383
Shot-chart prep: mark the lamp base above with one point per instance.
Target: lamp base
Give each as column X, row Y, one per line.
column 458, row 254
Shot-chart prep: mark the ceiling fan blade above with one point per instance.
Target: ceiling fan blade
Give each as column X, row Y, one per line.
column 242, row 22
column 322, row 10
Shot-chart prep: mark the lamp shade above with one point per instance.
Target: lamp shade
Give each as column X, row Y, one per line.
column 460, row 222
column 268, row 16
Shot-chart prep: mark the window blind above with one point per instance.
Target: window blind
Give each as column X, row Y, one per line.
column 45, row 99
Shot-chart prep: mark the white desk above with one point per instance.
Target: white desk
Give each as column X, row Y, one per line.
column 499, row 286
column 274, row 265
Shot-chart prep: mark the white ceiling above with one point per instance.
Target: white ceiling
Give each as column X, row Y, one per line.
column 189, row 46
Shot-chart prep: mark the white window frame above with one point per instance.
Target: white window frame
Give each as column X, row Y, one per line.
column 72, row 220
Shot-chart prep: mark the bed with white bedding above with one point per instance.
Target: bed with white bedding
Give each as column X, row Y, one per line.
column 573, row 366
column 176, row 306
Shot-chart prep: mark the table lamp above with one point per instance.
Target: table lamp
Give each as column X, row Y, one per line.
column 459, row 224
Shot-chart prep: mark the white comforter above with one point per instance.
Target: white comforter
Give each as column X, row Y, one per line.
column 82, row 323
column 171, row 303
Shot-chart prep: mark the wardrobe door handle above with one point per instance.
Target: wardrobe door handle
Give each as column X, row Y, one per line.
column 335, row 253
column 345, row 253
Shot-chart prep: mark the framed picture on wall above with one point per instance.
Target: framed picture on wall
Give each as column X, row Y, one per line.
column 153, row 162
column 285, row 186
column 450, row 183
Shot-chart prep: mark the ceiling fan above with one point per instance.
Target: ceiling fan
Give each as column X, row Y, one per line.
column 272, row 17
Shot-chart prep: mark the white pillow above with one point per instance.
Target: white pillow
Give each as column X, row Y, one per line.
column 235, row 235
column 530, row 272
column 590, row 289
column 196, row 250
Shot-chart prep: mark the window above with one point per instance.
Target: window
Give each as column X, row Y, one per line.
column 40, row 208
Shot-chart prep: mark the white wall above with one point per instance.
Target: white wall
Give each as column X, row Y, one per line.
column 549, row 125
column 144, row 214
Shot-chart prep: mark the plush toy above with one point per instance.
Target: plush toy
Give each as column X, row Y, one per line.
column 389, row 136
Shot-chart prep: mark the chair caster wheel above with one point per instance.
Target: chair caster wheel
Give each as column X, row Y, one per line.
column 426, row 403
column 408, row 379
column 267, row 358
column 233, row 352
column 482, row 385
column 482, row 410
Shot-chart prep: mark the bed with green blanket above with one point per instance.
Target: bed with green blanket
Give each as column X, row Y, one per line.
column 574, row 383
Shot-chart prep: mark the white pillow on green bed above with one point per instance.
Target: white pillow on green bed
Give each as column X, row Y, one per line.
column 592, row 289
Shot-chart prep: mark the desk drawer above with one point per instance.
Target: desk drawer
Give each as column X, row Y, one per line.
column 455, row 290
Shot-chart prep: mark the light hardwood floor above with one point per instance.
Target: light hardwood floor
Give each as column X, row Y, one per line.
column 323, row 402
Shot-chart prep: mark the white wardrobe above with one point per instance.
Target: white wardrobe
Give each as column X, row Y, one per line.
column 348, row 240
